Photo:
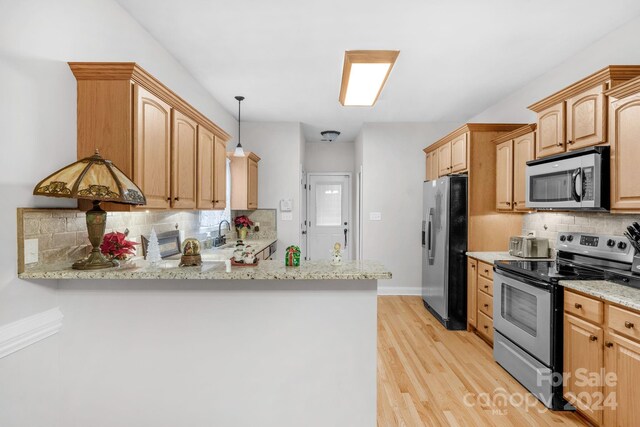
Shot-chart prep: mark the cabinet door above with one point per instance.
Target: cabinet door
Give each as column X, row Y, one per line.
column 622, row 364
column 152, row 148
column 583, row 355
column 252, row 201
column 586, row 115
column 206, row 147
column 183, row 161
column 523, row 151
column 472, row 291
column 504, row 176
column 459, row 153
column 624, row 135
column 551, row 131
column 428, row 166
column 444, row 159
column 220, row 175
column 435, row 173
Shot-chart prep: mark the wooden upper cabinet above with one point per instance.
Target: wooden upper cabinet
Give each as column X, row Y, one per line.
column 459, row 149
column 206, row 147
column 624, row 136
column 583, row 352
column 184, row 168
column 253, row 183
column 220, row 175
column 551, row 134
column 244, row 181
column 622, row 357
column 504, row 176
column 432, row 170
column 145, row 129
column 586, row 116
column 444, row 159
column 428, row 165
column 152, row 148
column 523, row 151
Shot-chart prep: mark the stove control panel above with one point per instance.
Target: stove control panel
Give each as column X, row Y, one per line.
column 615, row 248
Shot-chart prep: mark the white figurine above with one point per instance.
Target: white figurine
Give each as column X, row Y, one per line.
column 337, row 254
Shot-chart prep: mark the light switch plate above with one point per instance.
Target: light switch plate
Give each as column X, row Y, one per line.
column 30, row 251
column 286, row 216
column 375, row 216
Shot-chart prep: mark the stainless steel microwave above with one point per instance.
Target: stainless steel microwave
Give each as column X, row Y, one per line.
column 577, row 180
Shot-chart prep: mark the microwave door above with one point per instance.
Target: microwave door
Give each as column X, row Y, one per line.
column 555, row 185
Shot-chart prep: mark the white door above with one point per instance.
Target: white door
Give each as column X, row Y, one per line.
column 328, row 215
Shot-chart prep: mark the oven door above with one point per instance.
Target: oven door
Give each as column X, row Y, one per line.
column 522, row 313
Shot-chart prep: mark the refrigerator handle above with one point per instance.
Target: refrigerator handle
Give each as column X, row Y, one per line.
column 430, row 236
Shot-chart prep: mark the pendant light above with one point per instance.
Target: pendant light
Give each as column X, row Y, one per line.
column 239, row 152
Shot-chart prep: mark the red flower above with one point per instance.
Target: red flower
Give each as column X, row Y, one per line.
column 242, row 221
column 117, row 246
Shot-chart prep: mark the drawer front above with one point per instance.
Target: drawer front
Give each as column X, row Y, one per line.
column 585, row 307
column 485, row 285
column 623, row 321
column 485, row 303
column 485, row 326
column 485, row 270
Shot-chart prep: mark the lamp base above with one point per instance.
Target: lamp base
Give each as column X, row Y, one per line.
column 95, row 261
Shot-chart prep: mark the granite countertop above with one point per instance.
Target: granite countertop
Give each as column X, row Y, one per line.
column 607, row 291
column 225, row 252
column 220, row 270
column 492, row 257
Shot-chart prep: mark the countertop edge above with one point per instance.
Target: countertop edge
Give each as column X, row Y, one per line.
column 614, row 292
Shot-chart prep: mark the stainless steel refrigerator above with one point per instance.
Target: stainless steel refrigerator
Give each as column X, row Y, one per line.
column 444, row 246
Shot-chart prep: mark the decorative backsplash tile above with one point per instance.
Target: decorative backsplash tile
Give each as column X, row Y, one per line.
column 548, row 224
column 62, row 233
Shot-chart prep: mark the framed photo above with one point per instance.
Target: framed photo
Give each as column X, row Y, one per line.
column 169, row 244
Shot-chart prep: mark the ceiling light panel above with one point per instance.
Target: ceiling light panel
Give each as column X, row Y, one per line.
column 364, row 75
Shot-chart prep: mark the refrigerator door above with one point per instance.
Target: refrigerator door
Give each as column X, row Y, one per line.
column 434, row 253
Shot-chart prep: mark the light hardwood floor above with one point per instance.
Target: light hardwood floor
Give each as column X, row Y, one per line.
column 425, row 372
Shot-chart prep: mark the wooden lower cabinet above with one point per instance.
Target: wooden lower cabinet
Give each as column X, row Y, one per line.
column 480, row 298
column 602, row 362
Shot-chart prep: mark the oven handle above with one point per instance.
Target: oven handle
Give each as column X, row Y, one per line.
column 536, row 283
column 574, row 181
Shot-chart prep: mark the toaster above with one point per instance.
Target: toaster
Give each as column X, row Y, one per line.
column 529, row 247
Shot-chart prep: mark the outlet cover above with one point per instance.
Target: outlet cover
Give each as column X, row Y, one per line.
column 375, row 216
column 286, row 216
column 30, row 251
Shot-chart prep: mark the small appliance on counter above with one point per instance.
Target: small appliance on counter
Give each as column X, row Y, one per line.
column 529, row 247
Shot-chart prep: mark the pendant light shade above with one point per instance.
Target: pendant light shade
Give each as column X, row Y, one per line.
column 239, row 152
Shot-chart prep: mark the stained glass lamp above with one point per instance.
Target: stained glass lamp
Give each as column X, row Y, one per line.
column 96, row 179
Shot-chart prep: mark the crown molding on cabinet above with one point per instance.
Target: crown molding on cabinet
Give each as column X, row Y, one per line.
column 134, row 72
column 516, row 133
column 612, row 74
column 22, row 333
column 630, row 87
column 473, row 127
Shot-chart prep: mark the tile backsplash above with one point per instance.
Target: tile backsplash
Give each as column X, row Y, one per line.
column 548, row 224
column 267, row 220
column 62, row 233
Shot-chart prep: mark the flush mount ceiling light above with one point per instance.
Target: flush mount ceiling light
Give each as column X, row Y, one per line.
column 364, row 74
column 329, row 135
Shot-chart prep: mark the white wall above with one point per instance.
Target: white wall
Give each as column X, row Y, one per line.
column 38, row 118
column 329, row 157
column 621, row 46
column 279, row 146
column 394, row 168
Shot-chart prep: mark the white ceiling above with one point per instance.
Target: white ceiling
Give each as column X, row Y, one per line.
column 457, row 56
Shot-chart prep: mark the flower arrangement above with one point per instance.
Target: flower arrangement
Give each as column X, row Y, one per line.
column 116, row 246
column 243, row 222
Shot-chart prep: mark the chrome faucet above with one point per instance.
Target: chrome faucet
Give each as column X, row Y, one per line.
column 221, row 240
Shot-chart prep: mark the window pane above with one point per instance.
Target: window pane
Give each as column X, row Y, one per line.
column 328, row 205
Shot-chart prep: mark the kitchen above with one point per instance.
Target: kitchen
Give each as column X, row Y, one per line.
column 129, row 345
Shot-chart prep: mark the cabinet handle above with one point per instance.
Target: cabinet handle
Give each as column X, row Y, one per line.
column 515, row 203
column 177, row 199
column 559, row 144
column 486, row 286
column 508, row 203
column 628, row 325
column 593, row 338
column 168, row 199
column 608, row 344
column 486, row 306
column 486, row 327
column 578, row 306
column 486, row 271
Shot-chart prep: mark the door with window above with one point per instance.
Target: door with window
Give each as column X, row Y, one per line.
column 328, row 215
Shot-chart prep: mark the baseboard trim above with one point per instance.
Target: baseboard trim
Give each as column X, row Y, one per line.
column 22, row 333
column 399, row 290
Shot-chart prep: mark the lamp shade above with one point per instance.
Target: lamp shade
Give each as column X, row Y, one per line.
column 92, row 178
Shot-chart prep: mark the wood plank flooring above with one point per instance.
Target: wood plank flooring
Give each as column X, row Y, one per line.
column 428, row 376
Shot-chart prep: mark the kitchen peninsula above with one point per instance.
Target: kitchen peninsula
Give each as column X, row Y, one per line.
column 228, row 345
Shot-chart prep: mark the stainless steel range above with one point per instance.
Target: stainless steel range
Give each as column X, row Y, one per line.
column 528, row 307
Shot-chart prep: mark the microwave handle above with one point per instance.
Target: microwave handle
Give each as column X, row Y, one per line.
column 574, row 180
